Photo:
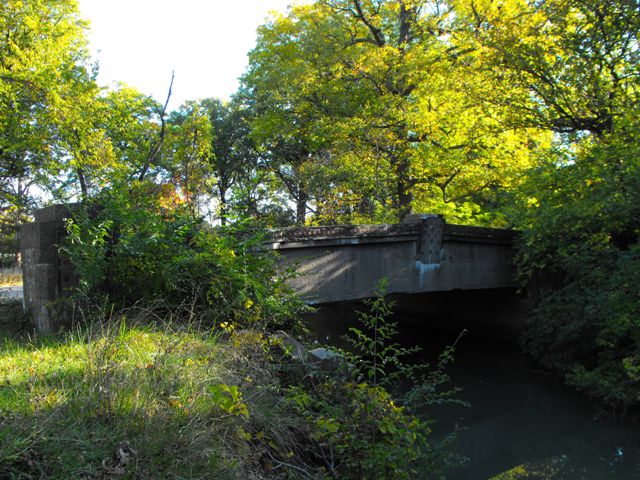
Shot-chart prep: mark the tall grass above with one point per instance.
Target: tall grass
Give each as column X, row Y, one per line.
column 152, row 394
column 133, row 402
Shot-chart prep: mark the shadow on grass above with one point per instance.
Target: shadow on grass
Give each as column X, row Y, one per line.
column 81, row 440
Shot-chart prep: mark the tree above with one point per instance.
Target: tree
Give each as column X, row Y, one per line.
column 233, row 157
column 376, row 76
column 210, row 151
column 574, row 66
column 189, row 153
column 43, row 63
column 577, row 63
column 284, row 122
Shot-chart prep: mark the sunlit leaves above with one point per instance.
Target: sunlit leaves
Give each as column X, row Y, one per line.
column 577, row 61
column 393, row 83
column 43, row 57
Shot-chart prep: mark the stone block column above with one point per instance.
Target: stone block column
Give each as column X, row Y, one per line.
column 44, row 270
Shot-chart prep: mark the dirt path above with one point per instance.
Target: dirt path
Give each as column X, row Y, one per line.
column 12, row 293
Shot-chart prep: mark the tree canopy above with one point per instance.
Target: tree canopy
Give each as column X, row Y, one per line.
column 384, row 84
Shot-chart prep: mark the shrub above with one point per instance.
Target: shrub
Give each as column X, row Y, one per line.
column 127, row 247
column 583, row 231
column 357, row 429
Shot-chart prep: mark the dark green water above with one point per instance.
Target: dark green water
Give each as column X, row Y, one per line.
column 521, row 423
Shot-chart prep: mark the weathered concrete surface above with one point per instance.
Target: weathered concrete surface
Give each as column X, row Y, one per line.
column 45, row 272
column 346, row 262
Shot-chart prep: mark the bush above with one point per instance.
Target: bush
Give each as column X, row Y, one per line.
column 583, row 231
column 357, row 428
column 357, row 431
column 588, row 330
column 129, row 247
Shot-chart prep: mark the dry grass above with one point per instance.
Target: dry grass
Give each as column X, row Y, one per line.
column 10, row 277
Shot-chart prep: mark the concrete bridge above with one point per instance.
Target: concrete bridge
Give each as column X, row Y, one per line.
column 337, row 263
column 422, row 255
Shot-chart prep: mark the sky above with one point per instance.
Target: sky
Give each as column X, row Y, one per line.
column 205, row 42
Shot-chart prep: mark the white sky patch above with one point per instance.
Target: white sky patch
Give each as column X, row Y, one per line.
column 140, row 42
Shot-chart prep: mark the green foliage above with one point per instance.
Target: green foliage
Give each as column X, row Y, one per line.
column 371, row 352
column 357, row 428
column 355, row 107
column 583, row 234
column 184, row 402
column 357, row 431
column 130, row 246
column 588, row 329
column 381, row 361
column 228, row 399
column 572, row 66
column 43, row 70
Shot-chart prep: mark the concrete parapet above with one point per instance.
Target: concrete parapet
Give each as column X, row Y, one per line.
column 425, row 254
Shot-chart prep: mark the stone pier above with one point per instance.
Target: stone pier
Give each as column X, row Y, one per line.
column 46, row 273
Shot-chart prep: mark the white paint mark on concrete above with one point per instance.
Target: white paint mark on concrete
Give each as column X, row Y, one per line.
column 423, row 269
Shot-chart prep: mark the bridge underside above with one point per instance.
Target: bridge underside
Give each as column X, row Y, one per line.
column 495, row 312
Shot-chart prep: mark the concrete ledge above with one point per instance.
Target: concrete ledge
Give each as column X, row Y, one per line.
column 335, row 232
column 307, row 237
column 54, row 213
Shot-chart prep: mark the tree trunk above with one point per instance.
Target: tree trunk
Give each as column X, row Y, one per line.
column 301, row 205
column 222, row 190
column 403, row 188
column 83, row 183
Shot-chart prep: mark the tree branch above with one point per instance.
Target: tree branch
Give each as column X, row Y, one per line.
column 375, row 31
column 154, row 150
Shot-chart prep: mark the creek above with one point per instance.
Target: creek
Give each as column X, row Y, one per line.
column 521, row 422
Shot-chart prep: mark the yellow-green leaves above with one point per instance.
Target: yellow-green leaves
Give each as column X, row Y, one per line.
column 393, row 95
column 228, row 399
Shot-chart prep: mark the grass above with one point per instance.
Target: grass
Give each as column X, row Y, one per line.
column 145, row 397
column 135, row 402
column 10, row 277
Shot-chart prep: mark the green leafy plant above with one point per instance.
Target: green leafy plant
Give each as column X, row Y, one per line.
column 228, row 399
column 381, row 361
column 357, row 431
column 362, row 425
column 582, row 244
column 128, row 247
